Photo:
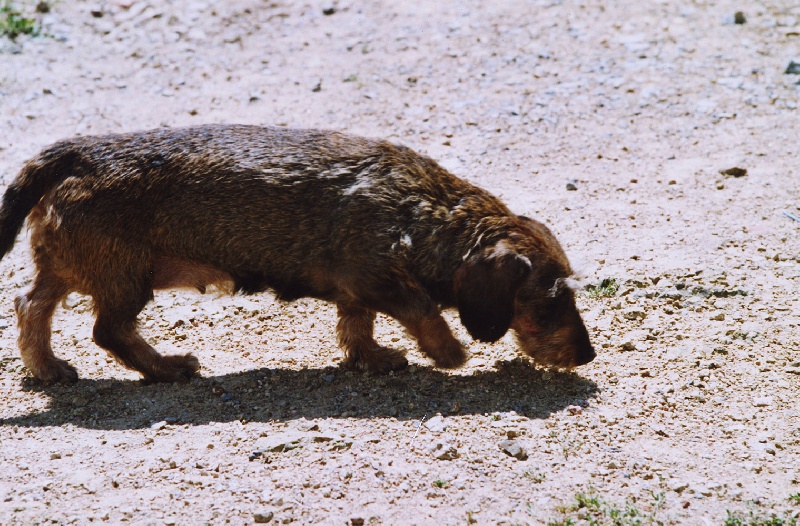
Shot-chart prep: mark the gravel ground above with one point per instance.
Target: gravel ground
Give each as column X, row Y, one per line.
column 612, row 121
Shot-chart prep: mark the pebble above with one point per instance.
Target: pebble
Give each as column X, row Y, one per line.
column 764, row 401
column 793, row 68
column 435, row 424
column 572, row 186
column 179, row 316
column 737, row 18
column 513, row 448
column 734, row 171
column 263, row 518
column 679, row 486
column 634, row 314
column 443, row 451
column 279, row 442
column 659, row 430
column 85, row 479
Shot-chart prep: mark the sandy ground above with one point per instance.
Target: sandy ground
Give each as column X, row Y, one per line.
column 687, row 416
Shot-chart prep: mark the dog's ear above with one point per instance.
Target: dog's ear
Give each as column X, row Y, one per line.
column 485, row 286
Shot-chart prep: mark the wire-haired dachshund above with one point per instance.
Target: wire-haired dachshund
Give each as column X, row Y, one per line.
column 368, row 225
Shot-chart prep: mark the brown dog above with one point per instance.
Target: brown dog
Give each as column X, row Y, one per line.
column 369, row 225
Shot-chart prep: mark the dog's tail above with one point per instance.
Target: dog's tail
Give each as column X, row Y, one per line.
column 37, row 177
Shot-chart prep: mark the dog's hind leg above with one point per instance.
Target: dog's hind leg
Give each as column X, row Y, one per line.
column 115, row 331
column 34, row 315
column 361, row 351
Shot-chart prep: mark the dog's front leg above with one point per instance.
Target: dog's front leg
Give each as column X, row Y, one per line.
column 362, row 352
column 435, row 338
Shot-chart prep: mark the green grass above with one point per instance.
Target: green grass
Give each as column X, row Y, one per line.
column 590, row 508
column 13, row 24
column 795, row 498
column 607, row 288
column 753, row 518
column 439, row 483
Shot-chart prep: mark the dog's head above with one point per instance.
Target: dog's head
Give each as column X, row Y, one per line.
column 523, row 282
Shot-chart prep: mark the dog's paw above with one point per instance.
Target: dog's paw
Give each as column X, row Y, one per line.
column 380, row 360
column 174, row 368
column 451, row 357
column 56, row 371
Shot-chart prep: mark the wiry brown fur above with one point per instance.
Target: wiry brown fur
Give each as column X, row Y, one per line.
column 368, row 225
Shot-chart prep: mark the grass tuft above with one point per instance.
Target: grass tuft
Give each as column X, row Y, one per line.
column 13, row 24
column 439, row 483
column 753, row 518
column 607, row 288
column 590, row 508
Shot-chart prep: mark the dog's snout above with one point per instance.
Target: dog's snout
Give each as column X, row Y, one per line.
column 585, row 356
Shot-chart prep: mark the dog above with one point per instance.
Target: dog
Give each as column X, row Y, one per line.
column 368, row 225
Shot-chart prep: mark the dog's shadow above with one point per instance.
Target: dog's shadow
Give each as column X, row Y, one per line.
column 268, row 395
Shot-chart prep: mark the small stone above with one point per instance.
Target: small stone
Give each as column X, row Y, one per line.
column 85, row 479
column 328, row 11
column 357, row 521
column 443, row 451
column 764, row 401
column 718, row 317
column 279, row 442
column 341, row 445
column 634, row 314
column 512, row 448
column 572, row 185
column 659, row 430
column 263, row 518
column 435, row 424
column 680, row 486
column 793, row 68
column 574, row 410
column 739, row 18
column 734, row 172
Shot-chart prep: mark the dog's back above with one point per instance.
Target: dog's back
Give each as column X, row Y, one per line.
column 273, row 207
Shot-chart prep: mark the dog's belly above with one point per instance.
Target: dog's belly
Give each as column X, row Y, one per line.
column 175, row 273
